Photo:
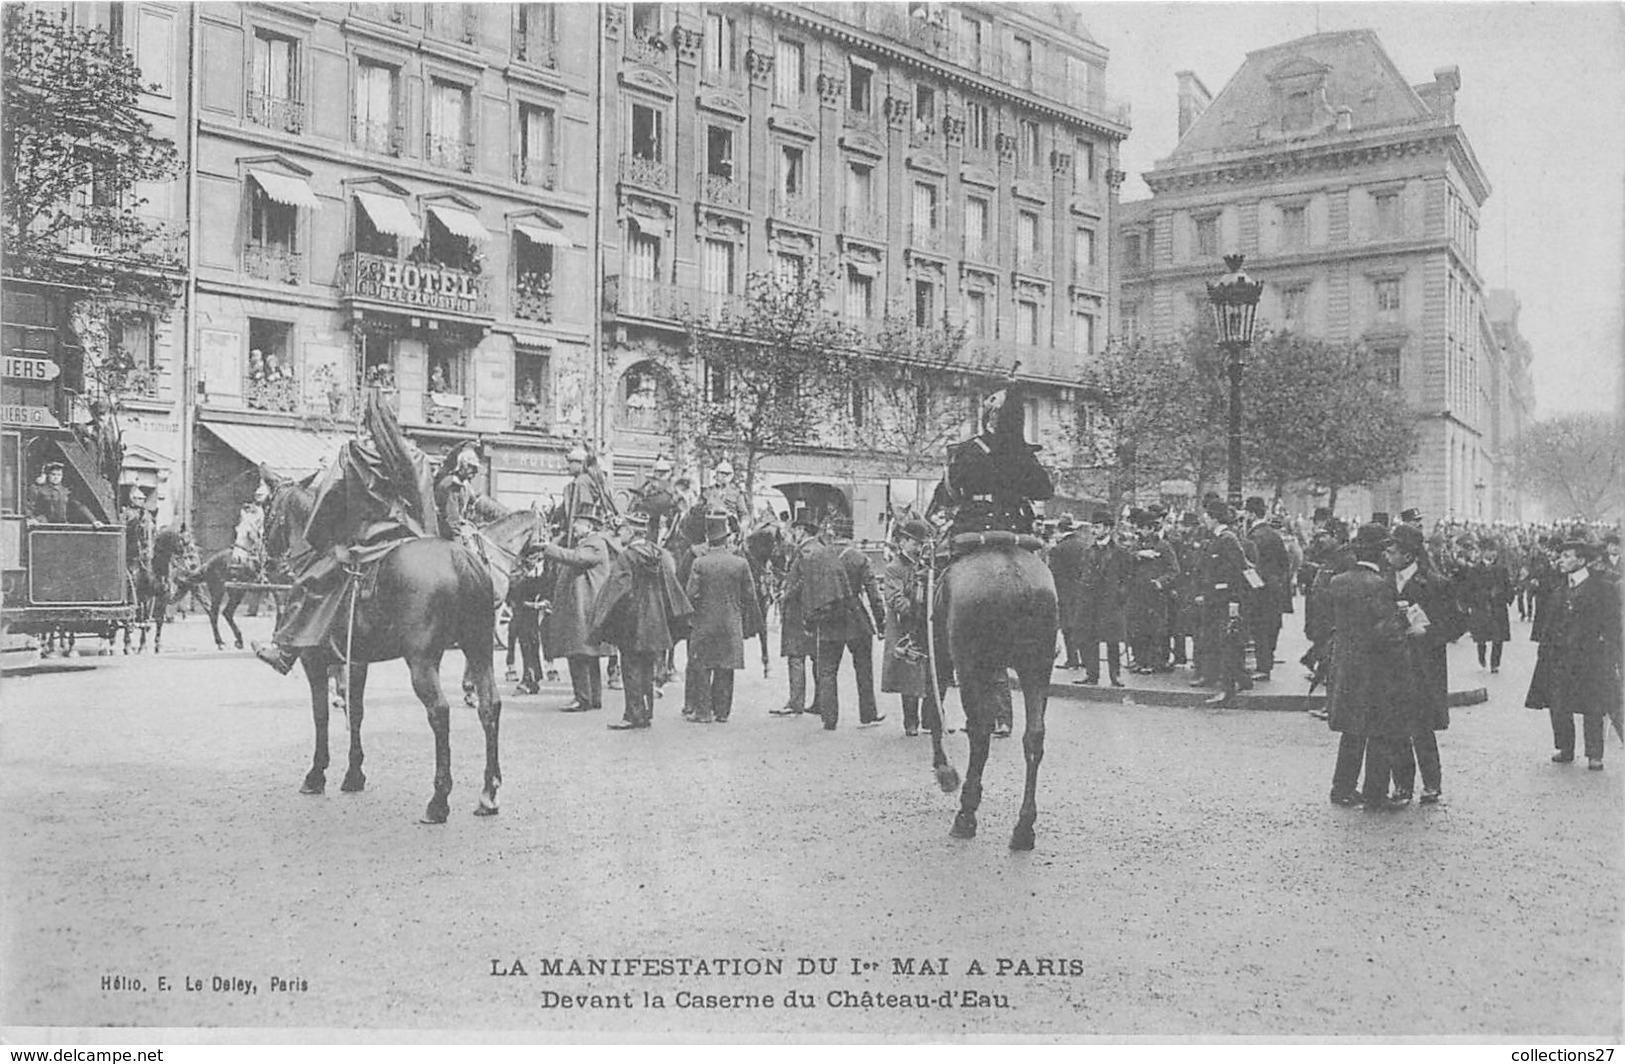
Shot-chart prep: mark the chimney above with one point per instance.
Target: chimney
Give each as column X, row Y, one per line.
column 1446, row 83
column 1193, row 99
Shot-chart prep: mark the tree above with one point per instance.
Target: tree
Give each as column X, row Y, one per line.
column 768, row 370
column 1322, row 415
column 1573, row 463
column 913, row 406
column 75, row 154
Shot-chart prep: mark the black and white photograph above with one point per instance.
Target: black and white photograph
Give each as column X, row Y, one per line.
column 837, row 522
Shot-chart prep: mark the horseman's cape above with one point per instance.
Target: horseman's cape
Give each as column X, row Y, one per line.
column 376, row 483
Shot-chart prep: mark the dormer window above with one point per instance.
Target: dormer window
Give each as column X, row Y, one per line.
column 1299, row 112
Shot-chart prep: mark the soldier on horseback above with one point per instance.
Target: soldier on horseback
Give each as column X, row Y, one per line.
column 725, row 496
column 454, row 494
column 994, row 477
column 655, row 497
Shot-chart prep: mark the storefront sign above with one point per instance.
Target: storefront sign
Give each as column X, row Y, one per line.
column 33, row 417
column 528, row 460
column 29, row 369
column 423, row 287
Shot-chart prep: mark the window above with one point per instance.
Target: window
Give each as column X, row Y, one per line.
column 925, row 303
column 719, row 152
column 448, row 368
column 270, row 366
column 975, row 227
column 133, row 353
column 860, row 405
column 534, row 35
column 535, row 146
column 1032, row 418
column 1293, row 301
column 1388, row 362
column 1387, row 293
column 792, row 170
column 273, row 98
column 647, row 142
column 1083, row 167
column 1083, row 333
column 645, row 22
column 450, row 134
column 1387, row 211
column 643, row 256
column 715, row 382
column 532, row 388
column 375, row 128
column 1030, row 144
column 719, row 266
column 533, row 279
column 860, row 293
column 859, row 87
column 272, row 253
column 860, row 184
column 1294, row 227
column 790, row 268
column 976, row 302
column 978, row 127
column 1299, row 111
column 448, row 248
column 1026, row 233
column 644, row 401
column 1027, row 322
column 1083, row 252
column 1024, row 62
column 972, row 34
column 925, row 107
column 789, row 74
column 1207, row 236
column 1133, row 251
column 1132, row 327
column 925, row 206
column 721, row 49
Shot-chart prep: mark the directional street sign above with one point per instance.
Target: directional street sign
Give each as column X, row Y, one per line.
column 29, row 369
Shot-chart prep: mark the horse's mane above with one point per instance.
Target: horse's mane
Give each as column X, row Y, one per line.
column 486, row 510
column 291, row 506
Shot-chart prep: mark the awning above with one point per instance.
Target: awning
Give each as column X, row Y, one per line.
column 650, row 226
column 290, row 452
column 539, row 234
column 460, row 222
column 390, row 215
column 288, row 191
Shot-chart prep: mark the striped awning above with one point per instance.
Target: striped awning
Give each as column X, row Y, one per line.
column 288, row 191
column 287, row 451
column 390, row 215
column 541, row 234
column 462, row 223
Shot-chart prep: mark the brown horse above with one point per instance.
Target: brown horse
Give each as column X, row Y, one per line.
column 430, row 595
column 997, row 612
column 211, row 577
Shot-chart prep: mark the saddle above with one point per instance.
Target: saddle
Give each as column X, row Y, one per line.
column 971, row 542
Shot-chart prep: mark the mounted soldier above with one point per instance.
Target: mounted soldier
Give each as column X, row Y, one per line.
column 726, row 497
column 994, row 477
column 655, row 496
column 454, row 493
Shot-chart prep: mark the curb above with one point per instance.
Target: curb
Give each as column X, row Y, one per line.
column 1146, row 696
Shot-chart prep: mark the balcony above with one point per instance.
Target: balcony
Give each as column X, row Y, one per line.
column 270, row 262
column 643, row 298
column 531, row 417
column 540, row 173
column 385, row 138
column 445, row 408
column 452, row 153
column 864, row 120
column 863, row 222
column 1033, row 261
column 275, row 112
column 930, row 37
column 724, row 77
column 647, row 173
column 644, row 46
column 924, row 136
column 413, row 287
column 278, row 393
column 722, row 190
column 533, row 297
column 795, row 208
column 926, row 238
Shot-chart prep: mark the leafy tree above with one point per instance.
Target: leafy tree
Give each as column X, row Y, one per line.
column 1322, row 415
column 769, row 369
column 75, row 152
column 1573, row 463
column 915, row 405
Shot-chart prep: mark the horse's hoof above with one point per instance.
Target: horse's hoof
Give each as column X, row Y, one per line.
column 1022, row 838
column 353, row 781
column 947, row 778
column 239, row 644
column 964, row 827
column 314, row 784
column 487, row 806
column 437, row 812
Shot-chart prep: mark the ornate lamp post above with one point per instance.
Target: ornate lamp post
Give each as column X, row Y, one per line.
column 1235, row 299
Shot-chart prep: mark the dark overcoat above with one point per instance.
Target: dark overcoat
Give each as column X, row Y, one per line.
column 1578, row 667
column 726, row 613
column 1429, row 652
column 1153, row 574
column 582, row 572
column 1370, row 667
column 1486, row 592
column 905, row 605
column 1066, row 567
column 1103, row 595
column 795, row 641
column 1221, row 569
column 641, row 607
column 1274, row 563
column 1187, row 615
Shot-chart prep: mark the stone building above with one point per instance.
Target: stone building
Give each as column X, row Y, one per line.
column 1355, row 196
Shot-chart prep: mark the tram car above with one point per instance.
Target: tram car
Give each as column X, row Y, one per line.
column 55, row 579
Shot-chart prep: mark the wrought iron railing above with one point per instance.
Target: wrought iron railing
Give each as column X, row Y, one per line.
column 453, row 153
column 445, row 408
column 1034, row 262
column 275, row 393
column 531, row 416
column 276, row 112
column 533, row 298
column 647, row 173
column 796, row 208
column 722, row 190
column 925, row 237
column 386, row 138
column 865, row 222
column 543, row 173
column 648, row 48
column 269, row 262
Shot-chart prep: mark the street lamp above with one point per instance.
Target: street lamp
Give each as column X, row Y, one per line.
column 1235, row 300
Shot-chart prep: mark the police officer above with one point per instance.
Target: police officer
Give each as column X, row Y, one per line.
column 655, row 497
column 1221, row 586
column 725, row 496
column 139, row 528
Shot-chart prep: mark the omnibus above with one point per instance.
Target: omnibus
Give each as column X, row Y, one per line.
column 54, row 578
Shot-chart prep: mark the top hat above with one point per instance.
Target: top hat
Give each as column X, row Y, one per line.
column 1189, row 519
column 1369, row 540
column 1409, row 539
column 1380, row 518
column 1065, row 523
column 1410, row 513
column 804, row 520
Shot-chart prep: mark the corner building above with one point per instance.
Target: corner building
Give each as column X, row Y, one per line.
column 1356, row 197
column 953, row 163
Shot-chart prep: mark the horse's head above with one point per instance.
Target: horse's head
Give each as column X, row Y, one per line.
column 289, row 513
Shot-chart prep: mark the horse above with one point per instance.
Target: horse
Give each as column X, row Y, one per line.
column 765, row 552
column 220, row 568
column 152, row 583
column 429, row 595
column 997, row 609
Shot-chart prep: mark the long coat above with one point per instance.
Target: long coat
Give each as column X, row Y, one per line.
column 582, row 572
column 723, row 595
column 1429, row 653
column 795, row 641
column 1370, row 668
column 641, row 607
column 1104, row 592
column 1066, row 567
column 1486, row 592
column 905, row 605
column 1154, row 571
column 1578, row 667
column 1186, row 614
column 1275, row 566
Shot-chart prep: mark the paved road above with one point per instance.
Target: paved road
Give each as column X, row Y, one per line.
column 1190, row 878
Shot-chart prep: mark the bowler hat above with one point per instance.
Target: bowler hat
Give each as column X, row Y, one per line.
column 1189, row 519
column 1218, row 509
column 1409, row 539
column 1254, row 505
column 1410, row 513
column 804, row 520
column 1369, row 541
column 1380, row 518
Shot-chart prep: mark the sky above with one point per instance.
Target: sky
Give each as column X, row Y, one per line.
column 1542, row 102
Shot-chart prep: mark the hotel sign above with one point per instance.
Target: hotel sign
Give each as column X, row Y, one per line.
column 415, row 286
